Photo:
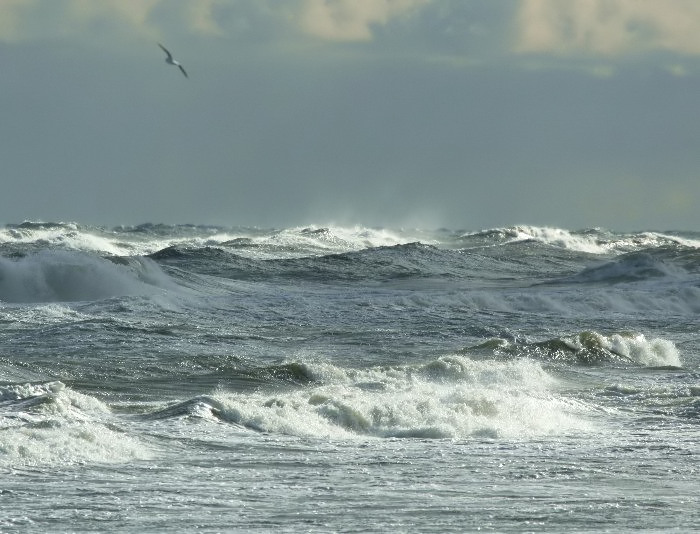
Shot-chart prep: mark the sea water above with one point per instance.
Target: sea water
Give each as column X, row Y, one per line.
column 332, row 379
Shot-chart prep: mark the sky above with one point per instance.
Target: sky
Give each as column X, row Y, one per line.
column 465, row 114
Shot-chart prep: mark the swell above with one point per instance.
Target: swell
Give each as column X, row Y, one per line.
column 521, row 260
column 673, row 263
column 411, row 261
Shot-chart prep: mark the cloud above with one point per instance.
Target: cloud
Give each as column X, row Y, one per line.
column 132, row 12
column 202, row 17
column 351, row 20
column 333, row 20
column 28, row 20
column 12, row 12
column 608, row 28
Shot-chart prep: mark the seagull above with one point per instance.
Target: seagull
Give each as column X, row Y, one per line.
column 170, row 61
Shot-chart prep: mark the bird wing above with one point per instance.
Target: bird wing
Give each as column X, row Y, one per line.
column 170, row 56
column 183, row 71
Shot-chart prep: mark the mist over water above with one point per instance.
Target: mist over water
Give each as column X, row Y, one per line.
column 165, row 377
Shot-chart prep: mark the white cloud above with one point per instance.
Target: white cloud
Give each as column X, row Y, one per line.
column 202, row 18
column 608, row 27
column 334, row 20
column 351, row 20
column 132, row 12
column 26, row 20
column 11, row 14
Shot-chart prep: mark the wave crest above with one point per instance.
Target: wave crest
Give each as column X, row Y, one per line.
column 451, row 397
column 590, row 348
column 64, row 276
column 50, row 424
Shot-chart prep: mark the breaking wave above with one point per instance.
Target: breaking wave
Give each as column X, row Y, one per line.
column 64, row 276
column 50, row 424
column 590, row 348
column 451, row 397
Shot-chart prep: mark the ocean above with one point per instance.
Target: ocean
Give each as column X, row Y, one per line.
column 181, row 378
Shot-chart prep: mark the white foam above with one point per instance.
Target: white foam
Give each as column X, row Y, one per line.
column 43, row 314
column 452, row 397
column 66, row 236
column 655, row 352
column 560, row 238
column 633, row 347
column 311, row 240
column 49, row 424
column 593, row 242
column 77, row 238
column 314, row 241
column 650, row 239
column 285, row 243
column 292, row 242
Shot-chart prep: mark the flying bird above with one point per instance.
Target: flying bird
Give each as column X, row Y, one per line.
column 170, row 61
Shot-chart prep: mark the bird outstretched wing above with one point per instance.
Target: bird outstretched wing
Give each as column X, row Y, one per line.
column 170, row 56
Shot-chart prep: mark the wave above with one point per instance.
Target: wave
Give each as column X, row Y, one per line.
column 409, row 260
column 63, row 276
column 554, row 301
column 591, row 241
column 589, row 348
column 298, row 242
column 664, row 262
column 587, row 241
column 665, row 280
column 148, row 238
column 199, row 407
column 48, row 423
column 413, row 260
column 451, row 397
column 66, row 236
